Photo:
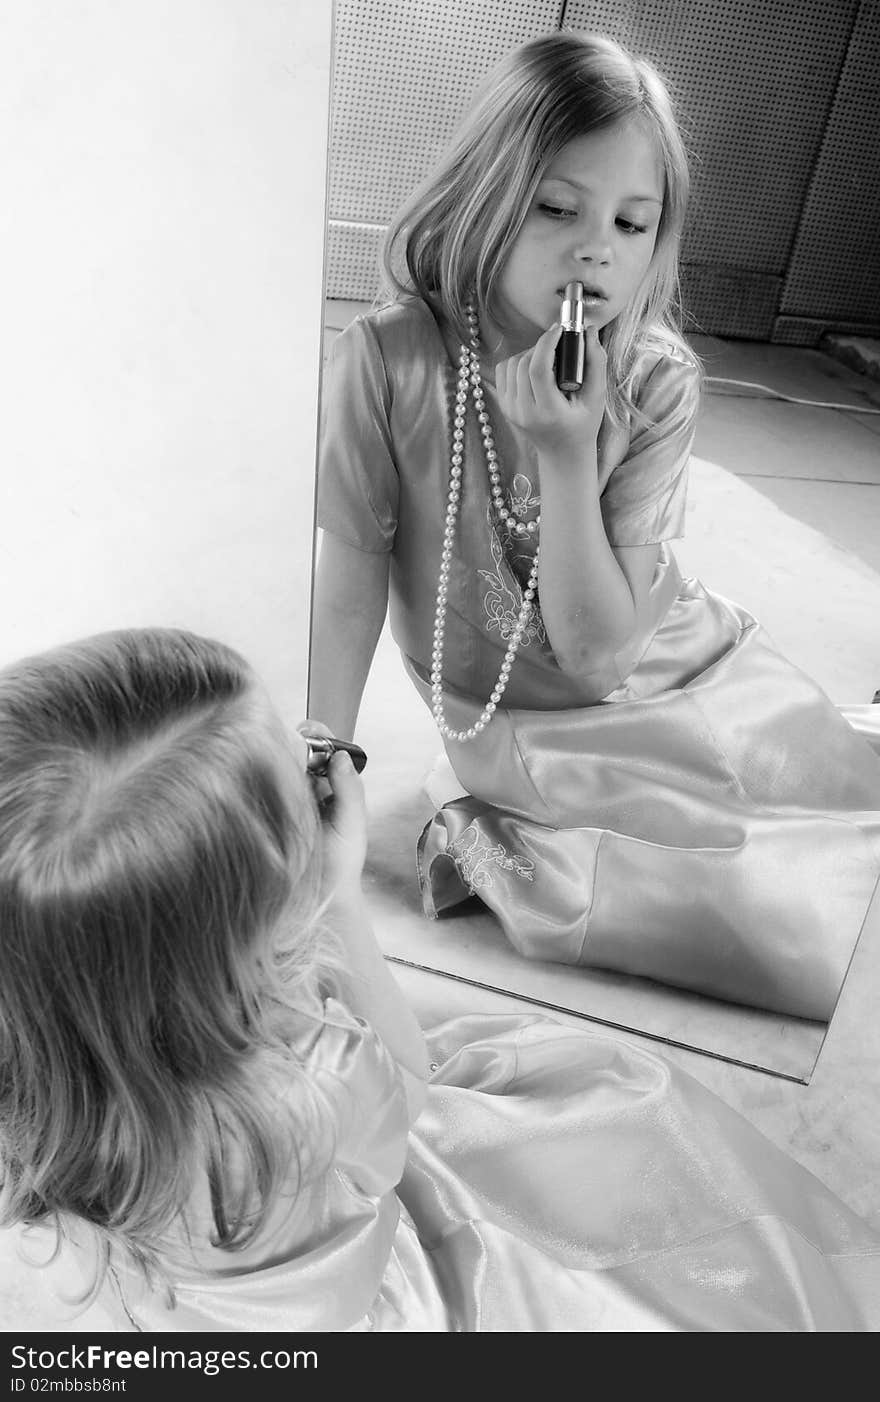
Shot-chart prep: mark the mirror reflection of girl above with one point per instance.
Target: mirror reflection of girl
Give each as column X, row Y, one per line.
column 644, row 783
column 213, row 1095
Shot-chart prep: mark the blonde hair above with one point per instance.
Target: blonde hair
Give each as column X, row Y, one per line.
column 450, row 241
column 158, row 886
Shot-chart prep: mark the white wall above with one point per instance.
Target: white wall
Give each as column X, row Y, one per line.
column 162, row 176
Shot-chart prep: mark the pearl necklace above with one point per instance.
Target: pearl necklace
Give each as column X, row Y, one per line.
column 469, row 371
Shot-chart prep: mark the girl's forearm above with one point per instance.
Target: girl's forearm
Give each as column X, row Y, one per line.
column 586, row 602
column 348, row 612
column 370, row 989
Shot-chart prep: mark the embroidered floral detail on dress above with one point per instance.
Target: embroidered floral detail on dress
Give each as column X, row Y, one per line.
column 501, row 602
column 474, row 858
column 522, row 500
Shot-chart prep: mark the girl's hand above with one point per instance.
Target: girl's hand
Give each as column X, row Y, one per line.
column 558, row 426
column 344, row 819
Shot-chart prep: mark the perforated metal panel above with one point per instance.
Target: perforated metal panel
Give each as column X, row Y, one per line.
column 835, row 265
column 403, row 73
column 353, row 260
column 809, row 331
column 729, row 301
column 756, row 82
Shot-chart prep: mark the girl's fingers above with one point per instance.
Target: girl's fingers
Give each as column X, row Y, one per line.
column 349, row 811
column 529, row 379
column 544, row 354
column 313, row 727
column 344, row 781
column 342, row 772
column 344, row 819
column 524, row 387
column 511, row 376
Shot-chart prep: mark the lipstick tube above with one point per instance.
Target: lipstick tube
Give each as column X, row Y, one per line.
column 570, row 350
column 322, row 748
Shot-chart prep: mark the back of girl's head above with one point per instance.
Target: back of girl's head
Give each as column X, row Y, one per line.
column 151, row 850
column 452, row 238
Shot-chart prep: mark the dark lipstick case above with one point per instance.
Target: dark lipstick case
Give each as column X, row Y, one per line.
column 322, row 748
column 570, row 350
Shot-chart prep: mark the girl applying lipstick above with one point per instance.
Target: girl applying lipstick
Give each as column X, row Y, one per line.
column 591, row 700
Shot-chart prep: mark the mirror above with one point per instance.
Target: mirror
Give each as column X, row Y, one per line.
column 384, row 139
column 163, row 250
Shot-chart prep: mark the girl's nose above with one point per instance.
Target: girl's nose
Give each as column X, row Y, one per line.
column 593, row 244
column 599, row 253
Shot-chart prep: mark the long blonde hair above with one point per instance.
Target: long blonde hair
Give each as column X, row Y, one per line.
column 158, row 886
column 450, row 241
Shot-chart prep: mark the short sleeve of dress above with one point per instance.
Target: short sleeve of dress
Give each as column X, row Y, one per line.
column 644, row 500
column 371, row 1095
column 357, row 474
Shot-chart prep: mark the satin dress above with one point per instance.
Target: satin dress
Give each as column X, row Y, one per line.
column 555, row 1181
column 697, row 812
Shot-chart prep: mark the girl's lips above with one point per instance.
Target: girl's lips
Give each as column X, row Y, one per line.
column 591, row 295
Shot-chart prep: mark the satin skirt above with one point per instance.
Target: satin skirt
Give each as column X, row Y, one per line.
column 557, row 1180
column 562, row 1180
column 713, row 824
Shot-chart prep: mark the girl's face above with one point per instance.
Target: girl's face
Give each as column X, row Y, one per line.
column 594, row 218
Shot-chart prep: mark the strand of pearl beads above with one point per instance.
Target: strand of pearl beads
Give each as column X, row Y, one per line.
column 469, row 372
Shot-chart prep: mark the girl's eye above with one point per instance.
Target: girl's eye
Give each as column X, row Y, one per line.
column 555, row 211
